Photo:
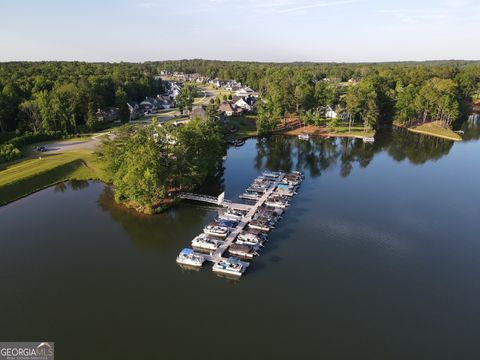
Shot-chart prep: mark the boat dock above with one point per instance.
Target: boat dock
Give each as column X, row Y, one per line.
column 272, row 193
column 217, row 255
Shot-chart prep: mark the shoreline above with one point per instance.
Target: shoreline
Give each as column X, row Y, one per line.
column 433, row 129
column 65, row 172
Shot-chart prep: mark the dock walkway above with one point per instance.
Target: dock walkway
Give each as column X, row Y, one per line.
column 219, row 200
column 217, row 255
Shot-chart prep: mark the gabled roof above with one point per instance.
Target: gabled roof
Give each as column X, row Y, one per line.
column 225, row 106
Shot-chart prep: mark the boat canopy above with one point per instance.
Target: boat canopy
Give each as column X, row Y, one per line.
column 234, row 260
column 186, row 251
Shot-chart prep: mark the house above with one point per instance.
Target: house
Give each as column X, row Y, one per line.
column 232, row 85
column 134, row 109
column 108, row 115
column 154, row 104
column 227, row 108
column 174, row 89
column 244, row 91
column 330, row 113
column 217, row 82
column 247, row 103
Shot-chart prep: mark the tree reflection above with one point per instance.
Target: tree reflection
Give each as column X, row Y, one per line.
column 472, row 128
column 159, row 231
column 319, row 154
column 60, row 187
column 416, row 148
column 78, row 184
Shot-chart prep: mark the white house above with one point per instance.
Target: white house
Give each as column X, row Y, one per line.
column 245, row 91
column 330, row 113
column 245, row 103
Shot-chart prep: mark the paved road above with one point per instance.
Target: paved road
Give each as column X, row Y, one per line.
column 62, row 146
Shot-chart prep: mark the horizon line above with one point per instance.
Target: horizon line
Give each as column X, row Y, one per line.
column 242, row 61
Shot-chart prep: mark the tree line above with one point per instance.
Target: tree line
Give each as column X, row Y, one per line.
column 63, row 97
column 372, row 94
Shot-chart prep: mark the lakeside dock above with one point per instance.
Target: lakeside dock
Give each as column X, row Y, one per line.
column 271, row 195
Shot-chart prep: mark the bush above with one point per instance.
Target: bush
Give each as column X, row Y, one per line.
column 31, row 138
column 8, row 152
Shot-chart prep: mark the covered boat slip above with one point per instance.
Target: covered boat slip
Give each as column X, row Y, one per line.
column 257, row 214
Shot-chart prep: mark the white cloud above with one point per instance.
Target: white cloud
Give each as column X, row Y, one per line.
column 316, row 4
column 417, row 15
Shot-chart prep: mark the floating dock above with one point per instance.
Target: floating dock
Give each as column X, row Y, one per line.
column 274, row 180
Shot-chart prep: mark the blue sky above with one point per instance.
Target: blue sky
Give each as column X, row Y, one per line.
column 261, row 30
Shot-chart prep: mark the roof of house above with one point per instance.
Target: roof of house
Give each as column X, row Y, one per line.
column 248, row 99
column 225, row 106
column 236, row 98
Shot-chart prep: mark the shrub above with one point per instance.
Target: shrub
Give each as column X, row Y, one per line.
column 31, row 138
column 9, row 152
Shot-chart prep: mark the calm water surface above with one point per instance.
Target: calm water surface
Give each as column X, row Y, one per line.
column 377, row 258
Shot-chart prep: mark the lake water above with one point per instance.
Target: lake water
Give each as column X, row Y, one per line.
column 377, row 258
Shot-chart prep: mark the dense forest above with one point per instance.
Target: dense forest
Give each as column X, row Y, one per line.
column 63, row 96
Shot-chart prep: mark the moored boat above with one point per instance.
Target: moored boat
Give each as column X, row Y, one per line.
column 243, row 250
column 260, row 224
column 189, row 257
column 234, row 214
column 231, row 266
column 247, row 238
column 205, row 242
column 304, row 136
column 277, row 202
column 216, row 230
column 229, row 223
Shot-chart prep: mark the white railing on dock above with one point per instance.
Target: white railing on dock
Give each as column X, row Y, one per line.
column 220, row 200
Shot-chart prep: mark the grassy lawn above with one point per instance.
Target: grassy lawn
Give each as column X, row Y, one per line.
column 245, row 124
column 355, row 130
column 436, row 129
column 22, row 178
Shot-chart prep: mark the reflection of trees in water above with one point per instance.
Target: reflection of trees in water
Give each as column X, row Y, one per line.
column 78, row 184
column 319, row 154
column 416, row 148
column 214, row 185
column 60, row 187
column 74, row 185
column 274, row 154
column 158, row 231
column 471, row 128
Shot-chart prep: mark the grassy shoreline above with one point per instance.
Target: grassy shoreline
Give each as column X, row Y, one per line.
column 22, row 178
column 435, row 129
